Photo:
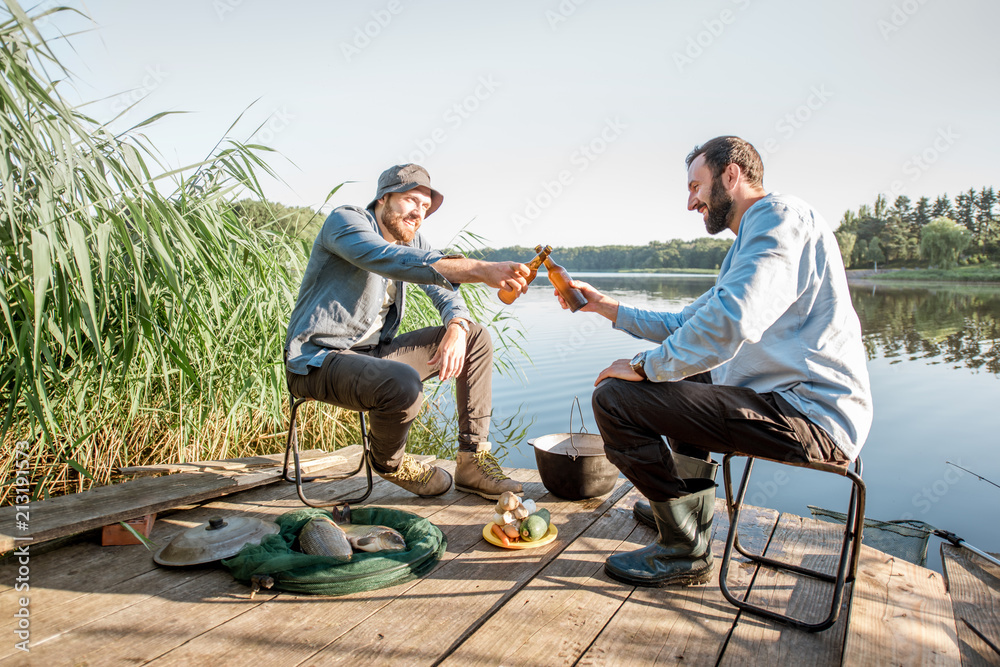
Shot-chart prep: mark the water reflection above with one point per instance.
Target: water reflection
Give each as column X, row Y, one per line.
column 958, row 325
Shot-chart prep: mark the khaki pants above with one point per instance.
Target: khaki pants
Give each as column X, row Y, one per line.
column 698, row 417
column 386, row 381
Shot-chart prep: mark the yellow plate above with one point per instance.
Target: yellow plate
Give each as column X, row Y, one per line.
column 520, row 544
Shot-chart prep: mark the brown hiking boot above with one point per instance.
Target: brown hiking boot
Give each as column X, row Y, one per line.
column 419, row 478
column 479, row 472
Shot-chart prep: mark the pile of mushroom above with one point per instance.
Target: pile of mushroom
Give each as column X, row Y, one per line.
column 510, row 511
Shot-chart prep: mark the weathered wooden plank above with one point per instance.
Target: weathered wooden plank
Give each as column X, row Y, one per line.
column 900, row 615
column 558, row 614
column 974, row 586
column 83, row 582
column 444, row 608
column 151, row 627
column 681, row 625
column 239, row 463
column 79, row 512
column 810, row 543
column 298, row 627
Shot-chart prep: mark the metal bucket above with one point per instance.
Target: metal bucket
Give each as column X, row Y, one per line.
column 573, row 466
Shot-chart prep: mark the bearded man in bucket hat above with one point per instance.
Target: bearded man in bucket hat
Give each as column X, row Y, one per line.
column 342, row 346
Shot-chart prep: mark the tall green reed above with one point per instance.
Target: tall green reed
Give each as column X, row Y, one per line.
column 143, row 317
column 140, row 314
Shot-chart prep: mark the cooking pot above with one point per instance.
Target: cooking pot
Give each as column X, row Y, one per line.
column 573, row 466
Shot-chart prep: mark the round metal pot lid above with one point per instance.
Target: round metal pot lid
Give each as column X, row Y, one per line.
column 570, row 444
column 219, row 538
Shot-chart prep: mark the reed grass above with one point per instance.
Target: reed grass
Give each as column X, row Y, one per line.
column 143, row 320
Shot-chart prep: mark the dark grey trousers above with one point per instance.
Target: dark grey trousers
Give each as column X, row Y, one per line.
column 386, row 381
column 698, row 417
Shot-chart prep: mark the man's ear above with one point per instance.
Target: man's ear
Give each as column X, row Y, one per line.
column 731, row 175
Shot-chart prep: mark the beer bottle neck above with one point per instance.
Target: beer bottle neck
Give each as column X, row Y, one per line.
column 538, row 260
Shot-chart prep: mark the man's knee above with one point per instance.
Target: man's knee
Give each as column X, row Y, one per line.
column 479, row 339
column 400, row 391
column 607, row 398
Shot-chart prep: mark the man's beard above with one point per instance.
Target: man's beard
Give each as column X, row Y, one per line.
column 393, row 221
column 720, row 208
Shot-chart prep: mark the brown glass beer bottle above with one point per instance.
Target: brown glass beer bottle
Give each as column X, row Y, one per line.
column 560, row 280
column 508, row 295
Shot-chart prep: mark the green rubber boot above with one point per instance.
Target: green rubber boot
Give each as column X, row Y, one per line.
column 682, row 553
column 687, row 468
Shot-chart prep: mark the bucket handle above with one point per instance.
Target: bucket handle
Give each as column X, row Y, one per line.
column 583, row 427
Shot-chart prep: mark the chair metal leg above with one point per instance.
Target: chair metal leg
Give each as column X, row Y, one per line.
column 846, row 568
column 292, row 454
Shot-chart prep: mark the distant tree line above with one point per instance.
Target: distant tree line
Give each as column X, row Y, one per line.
column 297, row 221
column 701, row 253
column 939, row 233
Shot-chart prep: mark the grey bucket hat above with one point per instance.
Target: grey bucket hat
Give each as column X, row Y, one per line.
column 404, row 177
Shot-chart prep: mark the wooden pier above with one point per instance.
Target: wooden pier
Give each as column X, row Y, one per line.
column 482, row 605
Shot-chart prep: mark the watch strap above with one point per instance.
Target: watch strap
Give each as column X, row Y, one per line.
column 638, row 364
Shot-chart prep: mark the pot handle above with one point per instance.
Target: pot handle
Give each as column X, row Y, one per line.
column 583, row 427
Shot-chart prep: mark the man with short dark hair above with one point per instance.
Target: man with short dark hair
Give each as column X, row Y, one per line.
column 769, row 362
column 342, row 346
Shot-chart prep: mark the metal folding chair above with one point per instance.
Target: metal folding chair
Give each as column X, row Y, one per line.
column 847, row 566
column 292, row 453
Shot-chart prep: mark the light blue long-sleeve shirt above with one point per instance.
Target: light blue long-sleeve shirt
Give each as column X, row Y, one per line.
column 344, row 286
column 779, row 319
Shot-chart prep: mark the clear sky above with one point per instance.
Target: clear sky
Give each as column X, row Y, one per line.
column 560, row 121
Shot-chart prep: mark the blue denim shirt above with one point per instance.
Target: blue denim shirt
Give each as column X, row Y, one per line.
column 779, row 319
column 345, row 282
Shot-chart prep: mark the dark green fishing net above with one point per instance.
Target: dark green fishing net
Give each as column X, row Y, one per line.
column 297, row 572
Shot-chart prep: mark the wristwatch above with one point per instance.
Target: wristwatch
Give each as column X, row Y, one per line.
column 461, row 323
column 638, row 364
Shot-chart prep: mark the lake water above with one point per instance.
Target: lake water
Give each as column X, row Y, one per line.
column 934, row 361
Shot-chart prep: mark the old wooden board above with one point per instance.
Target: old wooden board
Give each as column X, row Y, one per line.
column 77, row 513
column 151, row 627
column 311, row 456
column 974, row 586
column 799, row 541
column 83, row 582
column 453, row 601
column 298, row 627
column 558, row 613
column 680, row 625
column 899, row 615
